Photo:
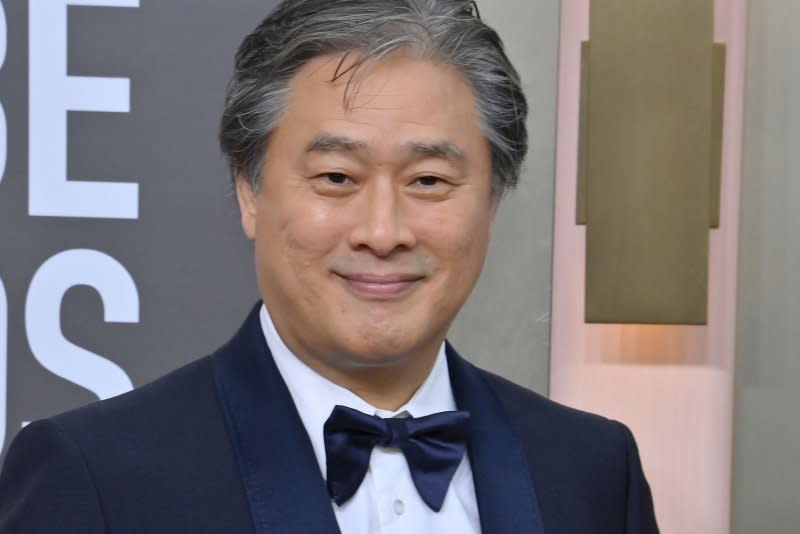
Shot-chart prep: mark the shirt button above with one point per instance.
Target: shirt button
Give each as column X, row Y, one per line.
column 399, row 507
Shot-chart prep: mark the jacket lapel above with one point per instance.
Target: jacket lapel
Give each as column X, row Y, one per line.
column 503, row 486
column 279, row 471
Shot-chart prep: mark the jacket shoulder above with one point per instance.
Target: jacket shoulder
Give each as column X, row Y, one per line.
column 580, row 458
column 527, row 409
column 156, row 459
column 558, row 434
column 173, row 397
column 44, row 477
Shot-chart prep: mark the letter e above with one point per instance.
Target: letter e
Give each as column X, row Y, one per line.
column 52, row 94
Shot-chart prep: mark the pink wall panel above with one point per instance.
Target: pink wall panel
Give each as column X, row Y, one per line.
column 673, row 385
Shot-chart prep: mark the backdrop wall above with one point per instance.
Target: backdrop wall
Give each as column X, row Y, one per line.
column 121, row 257
column 766, row 473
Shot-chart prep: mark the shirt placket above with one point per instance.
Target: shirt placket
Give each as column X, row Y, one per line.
column 393, row 498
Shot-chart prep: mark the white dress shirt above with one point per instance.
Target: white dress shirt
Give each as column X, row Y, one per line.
column 387, row 501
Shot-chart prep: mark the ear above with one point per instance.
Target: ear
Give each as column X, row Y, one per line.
column 248, row 207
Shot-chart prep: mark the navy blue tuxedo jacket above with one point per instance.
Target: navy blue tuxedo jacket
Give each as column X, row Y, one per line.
column 218, row 447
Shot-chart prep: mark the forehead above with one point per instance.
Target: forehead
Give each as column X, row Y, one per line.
column 398, row 100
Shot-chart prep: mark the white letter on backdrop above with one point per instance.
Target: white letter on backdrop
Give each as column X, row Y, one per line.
column 43, row 317
column 52, row 94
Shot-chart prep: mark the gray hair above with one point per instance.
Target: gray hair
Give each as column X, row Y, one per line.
column 297, row 31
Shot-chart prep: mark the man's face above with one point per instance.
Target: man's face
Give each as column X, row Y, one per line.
column 374, row 215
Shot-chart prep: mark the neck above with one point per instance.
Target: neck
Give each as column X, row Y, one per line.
column 386, row 388
column 386, row 382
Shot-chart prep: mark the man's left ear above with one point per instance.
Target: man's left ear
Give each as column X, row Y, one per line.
column 246, row 197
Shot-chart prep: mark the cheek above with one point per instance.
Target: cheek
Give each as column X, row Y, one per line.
column 460, row 238
column 300, row 233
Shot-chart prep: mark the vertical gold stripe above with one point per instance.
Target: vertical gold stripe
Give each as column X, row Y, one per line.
column 717, row 114
column 583, row 156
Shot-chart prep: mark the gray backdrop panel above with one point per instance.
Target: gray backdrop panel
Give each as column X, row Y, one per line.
column 191, row 264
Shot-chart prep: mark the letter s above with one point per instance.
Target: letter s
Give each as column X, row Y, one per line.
column 43, row 317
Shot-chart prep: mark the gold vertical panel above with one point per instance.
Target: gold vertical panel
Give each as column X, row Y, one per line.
column 648, row 160
column 582, row 135
column 717, row 113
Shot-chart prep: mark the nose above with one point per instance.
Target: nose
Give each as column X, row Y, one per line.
column 381, row 224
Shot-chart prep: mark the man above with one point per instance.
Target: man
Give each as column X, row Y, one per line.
column 370, row 142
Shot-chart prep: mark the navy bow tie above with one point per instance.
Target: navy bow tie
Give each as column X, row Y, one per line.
column 433, row 446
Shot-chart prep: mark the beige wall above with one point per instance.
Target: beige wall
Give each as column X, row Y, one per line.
column 766, row 496
column 505, row 326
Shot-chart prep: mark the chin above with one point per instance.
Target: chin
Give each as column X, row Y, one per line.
column 380, row 351
column 358, row 361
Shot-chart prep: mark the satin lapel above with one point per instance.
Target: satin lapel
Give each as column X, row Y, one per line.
column 281, row 477
column 503, row 486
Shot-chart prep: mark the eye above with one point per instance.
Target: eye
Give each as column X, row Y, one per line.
column 429, row 181
column 431, row 187
column 337, row 178
column 334, row 184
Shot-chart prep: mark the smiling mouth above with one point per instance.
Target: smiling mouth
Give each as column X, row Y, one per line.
column 379, row 286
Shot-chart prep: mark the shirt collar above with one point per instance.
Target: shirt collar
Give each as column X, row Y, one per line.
column 315, row 396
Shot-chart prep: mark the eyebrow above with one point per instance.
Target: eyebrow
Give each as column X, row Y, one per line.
column 335, row 143
column 445, row 150
column 437, row 150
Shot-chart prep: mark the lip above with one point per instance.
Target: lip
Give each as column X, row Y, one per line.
column 376, row 286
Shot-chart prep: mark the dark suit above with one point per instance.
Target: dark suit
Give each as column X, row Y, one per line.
column 218, row 447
